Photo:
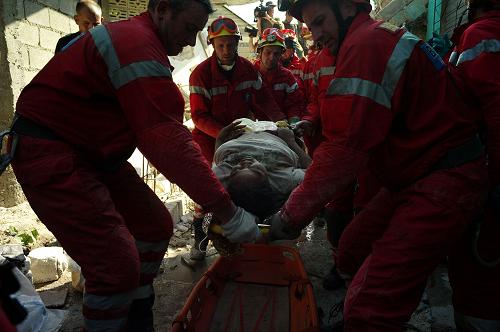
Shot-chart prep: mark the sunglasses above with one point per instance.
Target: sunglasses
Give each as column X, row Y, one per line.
column 223, row 23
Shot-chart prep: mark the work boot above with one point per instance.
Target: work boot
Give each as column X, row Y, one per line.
column 199, row 248
column 333, row 280
column 140, row 316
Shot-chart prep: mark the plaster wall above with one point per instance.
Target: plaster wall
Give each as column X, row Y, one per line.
column 29, row 31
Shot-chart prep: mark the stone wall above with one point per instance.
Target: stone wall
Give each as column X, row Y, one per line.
column 29, row 30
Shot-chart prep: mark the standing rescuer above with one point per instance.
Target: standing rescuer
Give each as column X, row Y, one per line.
column 77, row 123
column 424, row 151
column 279, row 80
column 475, row 269
column 226, row 87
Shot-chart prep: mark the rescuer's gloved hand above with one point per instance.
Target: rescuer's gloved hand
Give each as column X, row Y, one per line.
column 280, row 230
column 242, row 227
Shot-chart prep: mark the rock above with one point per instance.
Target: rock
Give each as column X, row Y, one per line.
column 12, row 252
column 182, row 227
column 54, row 298
column 47, row 263
column 175, row 209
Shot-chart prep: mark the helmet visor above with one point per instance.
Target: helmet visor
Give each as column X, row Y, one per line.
column 223, row 23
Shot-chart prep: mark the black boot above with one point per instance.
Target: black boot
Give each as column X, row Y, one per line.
column 140, row 316
column 199, row 249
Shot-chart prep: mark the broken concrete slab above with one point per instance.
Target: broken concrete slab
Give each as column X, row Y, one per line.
column 55, row 298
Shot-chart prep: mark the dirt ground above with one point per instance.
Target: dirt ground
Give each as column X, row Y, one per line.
column 176, row 279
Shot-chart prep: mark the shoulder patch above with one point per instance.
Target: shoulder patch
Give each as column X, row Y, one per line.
column 388, row 27
column 435, row 58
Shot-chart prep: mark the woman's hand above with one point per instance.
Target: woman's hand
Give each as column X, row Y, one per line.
column 232, row 131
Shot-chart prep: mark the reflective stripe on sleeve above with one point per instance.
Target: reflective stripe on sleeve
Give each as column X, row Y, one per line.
column 308, row 76
column 380, row 93
column 200, row 91
column 397, row 62
column 286, row 87
column 453, row 58
column 487, row 45
column 257, row 84
column 119, row 75
column 220, row 90
column 359, row 87
column 323, row 71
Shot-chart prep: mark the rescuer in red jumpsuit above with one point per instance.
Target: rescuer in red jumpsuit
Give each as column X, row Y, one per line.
column 424, row 151
column 223, row 88
column 226, row 87
column 289, row 59
column 79, row 120
column 279, row 80
column 474, row 268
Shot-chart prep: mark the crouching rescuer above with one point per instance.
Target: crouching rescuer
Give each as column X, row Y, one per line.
column 77, row 123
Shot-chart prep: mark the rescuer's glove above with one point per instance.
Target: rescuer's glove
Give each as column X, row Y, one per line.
column 242, row 227
column 280, row 230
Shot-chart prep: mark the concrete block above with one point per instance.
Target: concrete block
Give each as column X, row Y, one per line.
column 24, row 56
column 39, row 57
column 49, row 38
column 12, row 251
column 54, row 298
column 47, row 264
column 28, row 34
column 175, row 209
column 36, row 13
column 51, row 3
column 59, row 21
column 68, row 7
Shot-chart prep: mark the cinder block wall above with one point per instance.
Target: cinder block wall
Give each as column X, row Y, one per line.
column 29, row 30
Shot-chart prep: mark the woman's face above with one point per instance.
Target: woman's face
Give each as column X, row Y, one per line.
column 248, row 170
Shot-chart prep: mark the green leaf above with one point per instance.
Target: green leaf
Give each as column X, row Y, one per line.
column 35, row 234
column 26, row 239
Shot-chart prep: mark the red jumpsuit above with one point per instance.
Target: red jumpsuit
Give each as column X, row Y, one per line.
column 93, row 104
column 319, row 70
column 217, row 100
column 285, row 91
column 476, row 64
column 392, row 107
column 296, row 67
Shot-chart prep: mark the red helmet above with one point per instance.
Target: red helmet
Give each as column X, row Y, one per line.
column 289, row 33
column 294, row 7
column 271, row 37
column 223, row 26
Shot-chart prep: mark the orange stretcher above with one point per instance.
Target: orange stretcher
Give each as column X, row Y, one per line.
column 263, row 288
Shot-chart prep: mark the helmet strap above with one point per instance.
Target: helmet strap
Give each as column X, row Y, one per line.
column 344, row 24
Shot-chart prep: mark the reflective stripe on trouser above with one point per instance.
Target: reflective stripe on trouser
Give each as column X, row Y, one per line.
column 96, row 216
column 405, row 235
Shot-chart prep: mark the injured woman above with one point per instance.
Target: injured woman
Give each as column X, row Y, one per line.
column 260, row 168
